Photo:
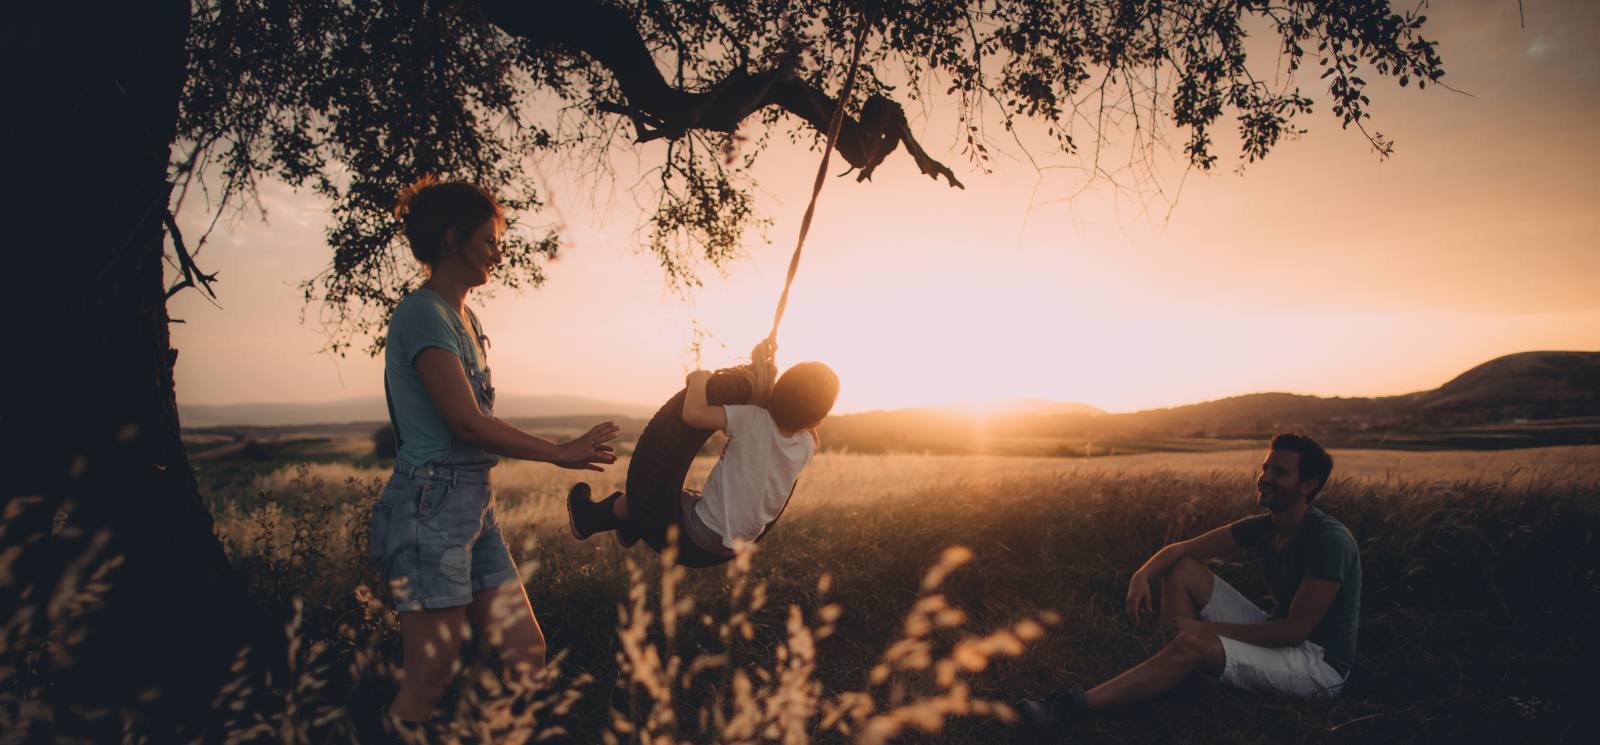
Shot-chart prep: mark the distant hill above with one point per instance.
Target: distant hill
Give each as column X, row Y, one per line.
column 1518, row 400
column 1531, row 385
column 1026, row 406
column 1526, row 387
column 372, row 409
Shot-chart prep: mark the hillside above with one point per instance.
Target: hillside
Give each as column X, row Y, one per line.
column 1531, row 385
column 1520, row 400
column 1518, row 388
column 372, row 409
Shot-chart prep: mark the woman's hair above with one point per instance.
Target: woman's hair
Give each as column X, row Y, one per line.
column 430, row 209
column 803, row 395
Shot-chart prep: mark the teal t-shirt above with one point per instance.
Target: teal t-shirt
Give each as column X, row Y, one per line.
column 422, row 320
column 1322, row 548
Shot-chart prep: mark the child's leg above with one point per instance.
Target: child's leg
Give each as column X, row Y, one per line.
column 588, row 517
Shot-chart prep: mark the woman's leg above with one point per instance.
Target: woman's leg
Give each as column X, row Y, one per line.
column 505, row 618
column 432, row 641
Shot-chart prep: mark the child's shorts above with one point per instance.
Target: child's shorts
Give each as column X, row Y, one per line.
column 696, row 532
column 434, row 536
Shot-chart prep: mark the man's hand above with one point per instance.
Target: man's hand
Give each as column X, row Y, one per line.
column 583, row 453
column 1138, row 595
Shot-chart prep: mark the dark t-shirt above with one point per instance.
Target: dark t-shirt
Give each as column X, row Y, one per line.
column 1322, row 548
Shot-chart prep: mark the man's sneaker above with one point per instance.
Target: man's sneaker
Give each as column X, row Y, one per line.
column 585, row 517
column 1055, row 709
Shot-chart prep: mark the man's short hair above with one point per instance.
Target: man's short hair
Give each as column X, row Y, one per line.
column 1315, row 463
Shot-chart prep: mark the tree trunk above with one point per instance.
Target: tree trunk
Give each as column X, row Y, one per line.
column 96, row 466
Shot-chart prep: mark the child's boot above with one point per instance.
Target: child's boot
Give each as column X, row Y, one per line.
column 586, row 517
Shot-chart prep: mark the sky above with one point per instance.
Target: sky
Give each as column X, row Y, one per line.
column 1322, row 270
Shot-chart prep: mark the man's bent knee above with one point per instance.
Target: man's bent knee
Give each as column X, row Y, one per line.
column 1196, row 580
column 1186, row 571
column 1197, row 650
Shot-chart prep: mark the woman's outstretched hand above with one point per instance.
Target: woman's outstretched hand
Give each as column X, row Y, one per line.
column 589, row 450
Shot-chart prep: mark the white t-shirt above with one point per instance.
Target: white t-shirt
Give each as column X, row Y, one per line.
column 748, row 487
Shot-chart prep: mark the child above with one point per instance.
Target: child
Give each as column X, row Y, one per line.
column 751, row 482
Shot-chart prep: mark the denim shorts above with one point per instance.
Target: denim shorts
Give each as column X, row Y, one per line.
column 434, row 536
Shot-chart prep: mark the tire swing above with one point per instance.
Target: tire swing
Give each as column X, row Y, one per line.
column 667, row 446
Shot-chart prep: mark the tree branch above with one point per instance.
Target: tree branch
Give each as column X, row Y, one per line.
column 192, row 276
column 659, row 110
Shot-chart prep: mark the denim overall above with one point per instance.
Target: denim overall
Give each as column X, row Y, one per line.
column 433, row 531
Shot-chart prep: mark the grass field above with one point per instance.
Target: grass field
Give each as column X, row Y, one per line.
column 1481, row 596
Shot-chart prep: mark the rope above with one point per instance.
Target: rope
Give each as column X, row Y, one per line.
column 816, row 188
column 763, row 369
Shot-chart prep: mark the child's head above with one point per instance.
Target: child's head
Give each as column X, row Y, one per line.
column 803, row 395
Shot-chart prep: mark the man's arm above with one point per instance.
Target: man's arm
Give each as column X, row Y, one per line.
column 1212, row 544
column 696, row 412
column 1311, row 602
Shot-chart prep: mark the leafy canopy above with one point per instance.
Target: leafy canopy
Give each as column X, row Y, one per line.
column 355, row 100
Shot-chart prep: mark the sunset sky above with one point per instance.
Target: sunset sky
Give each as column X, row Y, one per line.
column 1322, row 270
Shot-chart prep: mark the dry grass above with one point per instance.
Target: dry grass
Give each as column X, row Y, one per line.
column 1481, row 591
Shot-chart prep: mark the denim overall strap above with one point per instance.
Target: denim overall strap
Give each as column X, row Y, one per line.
column 394, row 422
column 461, row 454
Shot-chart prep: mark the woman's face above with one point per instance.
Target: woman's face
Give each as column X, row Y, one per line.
column 480, row 251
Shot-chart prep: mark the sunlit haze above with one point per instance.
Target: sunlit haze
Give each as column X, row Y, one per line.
column 1323, row 270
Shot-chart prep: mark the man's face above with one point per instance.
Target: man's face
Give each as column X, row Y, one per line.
column 1279, row 484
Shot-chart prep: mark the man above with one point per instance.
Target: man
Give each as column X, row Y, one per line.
column 1305, row 647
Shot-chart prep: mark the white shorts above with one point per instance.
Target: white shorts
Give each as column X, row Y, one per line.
column 1297, row 671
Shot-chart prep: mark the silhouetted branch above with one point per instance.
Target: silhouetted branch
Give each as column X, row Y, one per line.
column 192, row 276
column 660, row 110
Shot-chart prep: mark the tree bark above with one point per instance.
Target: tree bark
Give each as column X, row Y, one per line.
column 96, row 468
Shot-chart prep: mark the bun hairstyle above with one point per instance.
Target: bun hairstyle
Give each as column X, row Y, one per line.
column 803, row 395
column 430, row 209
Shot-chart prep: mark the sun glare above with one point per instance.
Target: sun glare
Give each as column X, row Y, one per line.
column 929, row 341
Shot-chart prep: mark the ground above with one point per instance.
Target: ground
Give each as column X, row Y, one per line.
column 1480, row 568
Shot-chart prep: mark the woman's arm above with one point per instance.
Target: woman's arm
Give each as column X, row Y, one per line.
column 447, row 385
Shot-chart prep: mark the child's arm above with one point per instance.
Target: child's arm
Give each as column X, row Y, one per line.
column 696, row 412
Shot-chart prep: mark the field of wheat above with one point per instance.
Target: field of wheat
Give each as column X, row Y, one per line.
column 912, row 598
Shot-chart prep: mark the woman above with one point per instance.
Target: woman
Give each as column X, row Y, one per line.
column 433, row 530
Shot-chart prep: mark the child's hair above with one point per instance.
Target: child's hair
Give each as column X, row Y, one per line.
column 429, row 209
column 803, row 395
